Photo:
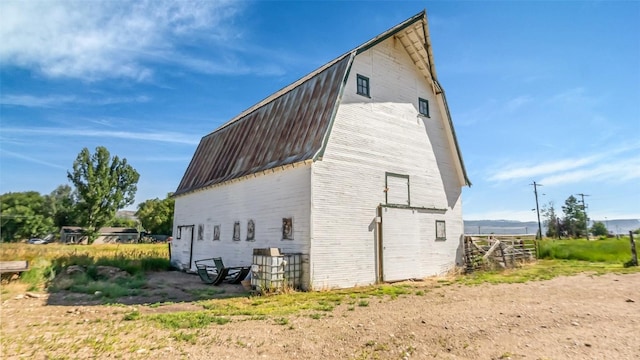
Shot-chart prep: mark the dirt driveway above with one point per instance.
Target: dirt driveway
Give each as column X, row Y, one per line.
column 578, row 317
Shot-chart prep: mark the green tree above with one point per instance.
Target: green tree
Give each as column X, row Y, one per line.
column 24, row 215
column 156, row 215
column 123, row 222
column 552, row 221
column 103, row 185
column 574, row 221
column 599, row 229
column 61, row 205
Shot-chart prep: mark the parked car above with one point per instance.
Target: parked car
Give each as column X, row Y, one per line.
column 37, row 241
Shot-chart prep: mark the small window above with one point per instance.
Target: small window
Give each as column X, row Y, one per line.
column 200, row 232
column 441, row 230
column 216, row 232
column 251, row 230
column 363, row 85
column 287, row 229
column 423, row 106
column 236, row 231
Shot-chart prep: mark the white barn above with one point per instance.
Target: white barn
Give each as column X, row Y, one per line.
column 356, row 166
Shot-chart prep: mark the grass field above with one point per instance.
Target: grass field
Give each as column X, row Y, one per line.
column 46, row 261
column 557, row 258
column 604, row 250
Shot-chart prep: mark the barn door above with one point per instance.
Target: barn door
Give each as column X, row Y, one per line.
column 400, row 244
column 185, row 233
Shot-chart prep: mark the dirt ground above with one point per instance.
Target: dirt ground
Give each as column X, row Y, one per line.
column 578, row 317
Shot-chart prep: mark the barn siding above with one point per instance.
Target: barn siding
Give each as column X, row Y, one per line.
column 371, row 136
column 265, row 198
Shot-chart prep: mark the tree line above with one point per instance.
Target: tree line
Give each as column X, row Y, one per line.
column 101, row 185
column 573, row 223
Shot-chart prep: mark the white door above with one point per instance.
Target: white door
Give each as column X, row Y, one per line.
column 182, row 246
column 400, row 244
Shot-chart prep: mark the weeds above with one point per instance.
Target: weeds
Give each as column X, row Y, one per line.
column 188, row 319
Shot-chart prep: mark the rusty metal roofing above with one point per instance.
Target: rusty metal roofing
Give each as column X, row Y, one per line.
column 284, row 130
column 292, row 124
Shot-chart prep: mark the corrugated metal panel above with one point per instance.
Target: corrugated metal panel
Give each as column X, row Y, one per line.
column 287, row 129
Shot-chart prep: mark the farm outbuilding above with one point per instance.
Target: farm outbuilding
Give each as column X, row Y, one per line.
column 355, row 166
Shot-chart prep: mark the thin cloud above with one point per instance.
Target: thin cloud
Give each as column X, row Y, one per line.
column 61, row 100
column 493, row 108
column 168, row 137
column 620, row 171
column 31, row 159
column 541, row 169
column 564, row 166
column 517, row 103
column 105, row 39
column 181, row 159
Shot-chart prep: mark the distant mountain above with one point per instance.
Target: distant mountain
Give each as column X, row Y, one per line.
column 616, row 226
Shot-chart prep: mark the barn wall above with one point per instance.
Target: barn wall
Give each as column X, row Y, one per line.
column 371, row 136
column 266, row 199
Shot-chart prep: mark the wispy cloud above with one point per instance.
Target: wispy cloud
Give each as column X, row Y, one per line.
column 60, row 100
column 168, row 137
column 181, row 159
column 31, row 159
column 542, row 169
column 575, row 96
column 92, row 40
column 620, row 164
column 493, row 108
column 619, row 171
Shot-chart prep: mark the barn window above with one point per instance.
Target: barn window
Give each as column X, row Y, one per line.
column 287, row 228
column 251, row 230
column 441, row 230
column 200, row 232
column 423, row 107
column 216, row 232
column 362, row 85
column 179, row 233
column 236, row 231
column 396, row 188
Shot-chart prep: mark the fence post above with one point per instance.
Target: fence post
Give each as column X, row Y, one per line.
column 634, row 254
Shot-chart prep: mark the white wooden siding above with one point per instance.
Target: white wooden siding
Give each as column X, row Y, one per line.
column 265, row 198
column 371, row 136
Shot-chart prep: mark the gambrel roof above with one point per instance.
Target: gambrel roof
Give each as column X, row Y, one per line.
column 293, row 124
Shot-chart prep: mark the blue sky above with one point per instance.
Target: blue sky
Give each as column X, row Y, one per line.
column 538, row 91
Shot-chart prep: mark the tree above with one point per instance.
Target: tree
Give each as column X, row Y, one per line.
column 24, row 215
column 574, row 220
column 599, row 229
column 552, row 221
column 103, row 186
column 123, row 222
column 156, row 215
column 61, row 205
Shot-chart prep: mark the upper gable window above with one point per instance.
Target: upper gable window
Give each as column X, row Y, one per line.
column 362, row 85
column 423, row 107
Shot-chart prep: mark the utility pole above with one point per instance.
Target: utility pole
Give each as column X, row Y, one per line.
column 535, row 191
column 586, row 219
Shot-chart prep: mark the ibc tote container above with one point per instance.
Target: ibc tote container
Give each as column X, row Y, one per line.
column 272, row 271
